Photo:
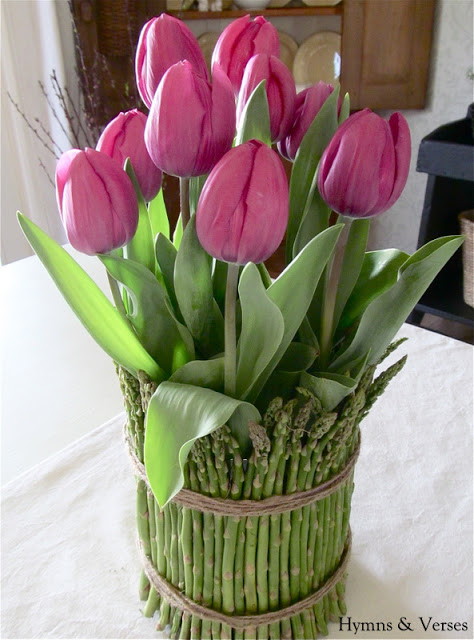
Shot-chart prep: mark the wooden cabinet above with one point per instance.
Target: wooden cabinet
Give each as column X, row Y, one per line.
column 386, row 47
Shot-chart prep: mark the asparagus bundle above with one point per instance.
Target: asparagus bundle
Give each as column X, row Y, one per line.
column 255, row 564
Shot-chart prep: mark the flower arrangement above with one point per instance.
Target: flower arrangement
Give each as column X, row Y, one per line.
column 244, row 394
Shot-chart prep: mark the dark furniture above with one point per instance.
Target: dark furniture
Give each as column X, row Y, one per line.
column 447, row 156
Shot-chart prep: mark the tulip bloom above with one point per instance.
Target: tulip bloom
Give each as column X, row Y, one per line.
column 164, row 41
column 191, row 122
column 307, row 105
column 96, row 200
column 241, row 40
column 242, row 212
column 365, row 166
column 280, row 88
column 124, row 138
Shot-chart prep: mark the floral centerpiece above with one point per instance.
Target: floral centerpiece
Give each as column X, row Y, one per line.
column 244, row 394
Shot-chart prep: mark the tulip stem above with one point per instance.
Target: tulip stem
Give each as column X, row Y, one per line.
column 332, row 283
column 230, row 357
column 184, row 200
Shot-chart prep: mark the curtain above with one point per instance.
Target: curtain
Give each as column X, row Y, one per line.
column 36, row 39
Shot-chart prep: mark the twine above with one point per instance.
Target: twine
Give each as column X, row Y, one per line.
column 272, row 505
column 241, row 622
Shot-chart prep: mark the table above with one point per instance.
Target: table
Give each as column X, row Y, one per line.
column 57, row 383
column 71, row 567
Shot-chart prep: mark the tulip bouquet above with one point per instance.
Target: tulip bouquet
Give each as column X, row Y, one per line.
column 244, row 394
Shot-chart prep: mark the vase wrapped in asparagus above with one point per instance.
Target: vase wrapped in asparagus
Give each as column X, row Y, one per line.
column 244, row 393
column 265, row 556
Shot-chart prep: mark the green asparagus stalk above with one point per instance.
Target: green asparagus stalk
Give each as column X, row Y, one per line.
column 186, row 539
column 174, row 553
column 144, row 586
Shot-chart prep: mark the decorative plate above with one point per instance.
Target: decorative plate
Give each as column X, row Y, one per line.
column 207, row 42
column 250, row 5
column 318, row 58
column 321, row 3
column 288, row 49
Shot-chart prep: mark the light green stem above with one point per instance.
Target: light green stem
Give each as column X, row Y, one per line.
column 184, row 200
column 332, row 283
column 230, row 357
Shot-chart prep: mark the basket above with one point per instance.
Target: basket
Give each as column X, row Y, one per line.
column 466, row 220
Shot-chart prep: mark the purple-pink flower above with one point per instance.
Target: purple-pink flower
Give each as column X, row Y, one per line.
column 96, row 200
column 241, row 40
column 164, row 41
column 124, row 137
column 242, row 212
column 307, row 105
column 280, row 89
column 365, row 166
column 191, row 122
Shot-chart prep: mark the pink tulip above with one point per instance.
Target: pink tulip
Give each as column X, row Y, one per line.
column 164, row 41
column 241, row 40
column 280, row 88
column 307, row 106
column 191, row 123
column 124, row 138
column 243, row 209
column 96, row 200
column 365, row 166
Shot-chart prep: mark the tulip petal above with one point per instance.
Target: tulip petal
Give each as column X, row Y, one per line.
column 124, row 138
column 63, row 169
column 243, row 209
column 163, row 42
column 241, row 40
column 402, row 143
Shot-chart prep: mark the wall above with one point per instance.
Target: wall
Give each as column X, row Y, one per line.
column 450, row 91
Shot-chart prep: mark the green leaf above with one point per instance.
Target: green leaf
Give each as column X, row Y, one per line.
column 352, row 264
column 178, row 415
column 195, row 187
column 178, row 233
column 293, row 290
column 255, row 120
column 329, row 388
column 280, row 384
column 158, row 216
column 194, row 292
column 306, row 334
column 219, row 282
column 379, row 272
column 385, row 315
column 155, row 326
column 202, row 373
column 166, row 257
column 302, row 183
column 101, row 319
column 345, row 109
column 315, row 220
column 141, row 247
column 266, row 277
column 262, row 329
column 298, row 357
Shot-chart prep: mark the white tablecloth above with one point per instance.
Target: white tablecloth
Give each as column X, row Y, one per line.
column 70, row 564
column 50, row 365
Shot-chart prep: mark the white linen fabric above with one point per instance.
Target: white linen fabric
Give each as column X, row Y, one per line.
column 71, row 566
